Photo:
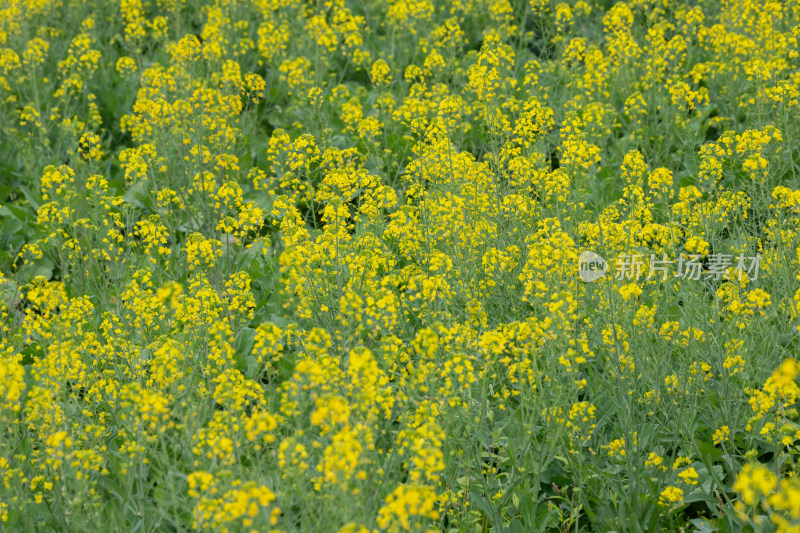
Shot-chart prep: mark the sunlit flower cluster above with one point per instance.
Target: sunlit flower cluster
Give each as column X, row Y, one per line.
column 274, row 265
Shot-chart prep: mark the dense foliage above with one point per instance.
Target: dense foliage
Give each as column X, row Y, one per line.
column 315, row 265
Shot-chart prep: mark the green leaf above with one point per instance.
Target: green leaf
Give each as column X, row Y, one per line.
column 515, row 526
column 243, row 346
column 9, row 292
column 699, row 496
column 11, row 225
column 483, row 503
column 42, row 268
column 702, row 525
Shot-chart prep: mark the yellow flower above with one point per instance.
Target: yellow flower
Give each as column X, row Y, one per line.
column 721, row 435
column 126, row 65
column 753, row 482
column 630, row 291
column 689, row 476
column 381, row 74
column 671, row 496
column 697, row 245
column 405, row 504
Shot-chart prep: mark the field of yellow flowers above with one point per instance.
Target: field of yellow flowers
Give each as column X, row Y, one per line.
column 399, row 265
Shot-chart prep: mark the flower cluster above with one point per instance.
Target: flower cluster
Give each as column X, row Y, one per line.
column 282, row 266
